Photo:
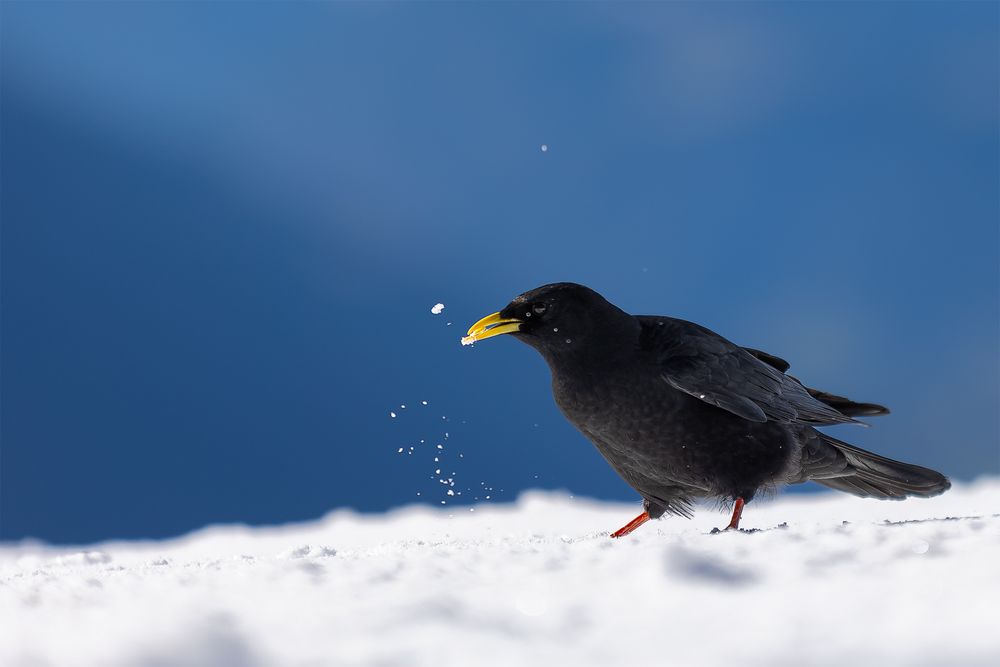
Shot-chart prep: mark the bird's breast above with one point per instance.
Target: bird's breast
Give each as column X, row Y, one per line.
column 623, row 407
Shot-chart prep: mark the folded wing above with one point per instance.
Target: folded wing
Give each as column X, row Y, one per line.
column 705, row 365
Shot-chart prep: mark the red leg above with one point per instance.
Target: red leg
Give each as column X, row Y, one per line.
column 734, row 523
column 631, row 525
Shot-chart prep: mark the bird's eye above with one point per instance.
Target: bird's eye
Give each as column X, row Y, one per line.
column 539, row 308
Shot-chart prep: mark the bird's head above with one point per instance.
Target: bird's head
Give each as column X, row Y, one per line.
column 556, row 319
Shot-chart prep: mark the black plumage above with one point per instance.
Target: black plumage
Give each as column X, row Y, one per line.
column 681, row 413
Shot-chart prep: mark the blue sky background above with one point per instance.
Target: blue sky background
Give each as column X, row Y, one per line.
column 224, row 226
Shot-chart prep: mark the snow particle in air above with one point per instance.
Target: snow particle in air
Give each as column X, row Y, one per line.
column 545, row 148
column 423, row 402
column 438, row 307
column 392, row 414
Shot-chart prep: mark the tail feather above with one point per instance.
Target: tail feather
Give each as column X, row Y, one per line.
column 838, row 465
column 857, row 486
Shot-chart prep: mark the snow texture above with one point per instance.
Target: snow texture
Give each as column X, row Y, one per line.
column 437, row 308
column 827, row 580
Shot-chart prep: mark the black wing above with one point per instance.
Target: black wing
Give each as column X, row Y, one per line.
column 705, row 365
column 770, row 359
column 841, row 404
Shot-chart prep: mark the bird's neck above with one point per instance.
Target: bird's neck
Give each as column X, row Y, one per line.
column 597, row 348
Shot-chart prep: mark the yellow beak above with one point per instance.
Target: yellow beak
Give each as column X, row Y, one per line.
column 489, row 326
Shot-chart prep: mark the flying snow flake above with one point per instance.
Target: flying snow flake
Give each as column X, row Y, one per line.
column 545, row 148
column 438, row 307
column 392, row 414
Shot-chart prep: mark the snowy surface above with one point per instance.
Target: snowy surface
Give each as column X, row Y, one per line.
column 537, row 582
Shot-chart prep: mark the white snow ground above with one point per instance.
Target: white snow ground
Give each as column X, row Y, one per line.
column 534, row 583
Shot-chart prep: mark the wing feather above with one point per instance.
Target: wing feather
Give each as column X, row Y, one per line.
column 705, row 365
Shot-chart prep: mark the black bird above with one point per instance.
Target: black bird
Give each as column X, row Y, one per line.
column 681, row 413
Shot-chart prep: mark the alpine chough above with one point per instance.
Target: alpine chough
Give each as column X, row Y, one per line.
column 681, row 413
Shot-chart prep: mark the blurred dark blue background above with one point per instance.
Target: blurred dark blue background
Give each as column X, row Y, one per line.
column 225, row 225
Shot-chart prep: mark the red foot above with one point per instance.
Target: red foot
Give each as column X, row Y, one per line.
column 631, row 525
column 734, row 523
